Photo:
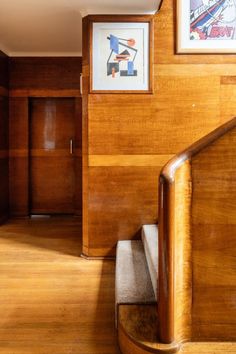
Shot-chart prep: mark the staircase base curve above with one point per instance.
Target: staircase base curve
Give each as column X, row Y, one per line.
column 137, row 328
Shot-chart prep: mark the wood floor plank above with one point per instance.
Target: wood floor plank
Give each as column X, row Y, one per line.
column 53, row 301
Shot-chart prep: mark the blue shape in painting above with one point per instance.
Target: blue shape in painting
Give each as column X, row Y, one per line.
column 130, row 68
column 114, row 43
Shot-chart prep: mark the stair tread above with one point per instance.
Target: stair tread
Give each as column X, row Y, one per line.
column 133, row 282
column 150, row 243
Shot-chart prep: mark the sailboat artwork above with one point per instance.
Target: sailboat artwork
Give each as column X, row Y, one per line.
column 212, row 19
column 121, row 56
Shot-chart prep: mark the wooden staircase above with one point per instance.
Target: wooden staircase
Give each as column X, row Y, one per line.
column 176, row 287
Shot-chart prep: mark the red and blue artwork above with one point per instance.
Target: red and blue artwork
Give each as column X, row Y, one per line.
column 212, row 19
column 121, row 60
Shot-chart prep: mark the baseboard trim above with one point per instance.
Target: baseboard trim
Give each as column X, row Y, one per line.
column 94, row 258
column 96, row 253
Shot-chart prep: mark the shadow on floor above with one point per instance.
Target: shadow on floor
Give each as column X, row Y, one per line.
column 60, row 234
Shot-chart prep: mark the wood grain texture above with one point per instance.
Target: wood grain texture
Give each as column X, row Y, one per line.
column 175, row 272
column 190, row 99
column 189, row 309
column 137, row 335
column 128, row 160
column 39, row 77
column 53, row 301
column 85, row 143
column 52, row 166
column 18, row 162
column 4, row 140
column 44, row 73
column 213, row 238
column 117, row 193
column 137, row 331
column 45, row 93
column 183, row 254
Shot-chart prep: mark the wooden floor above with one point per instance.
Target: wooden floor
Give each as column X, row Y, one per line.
column 51, row 300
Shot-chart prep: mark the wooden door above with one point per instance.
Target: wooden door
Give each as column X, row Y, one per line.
column 52, row 173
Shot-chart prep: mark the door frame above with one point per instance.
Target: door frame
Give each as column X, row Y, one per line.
column 77, row 154
column 19, row 151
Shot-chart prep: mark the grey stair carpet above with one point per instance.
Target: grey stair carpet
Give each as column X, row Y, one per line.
column 133, row 282
column 150, row 243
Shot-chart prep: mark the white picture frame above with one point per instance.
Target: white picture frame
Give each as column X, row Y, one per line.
column 121, row 57
column 206, row 26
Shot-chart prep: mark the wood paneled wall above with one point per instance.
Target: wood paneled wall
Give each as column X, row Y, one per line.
column 131, row 136
column 3, row 136
column 37, row 77
column 214, row 241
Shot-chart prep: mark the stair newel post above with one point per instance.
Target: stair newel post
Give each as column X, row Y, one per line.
column 166, row 261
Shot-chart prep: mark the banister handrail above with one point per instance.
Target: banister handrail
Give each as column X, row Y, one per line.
column 166, row 232
column 169, row 169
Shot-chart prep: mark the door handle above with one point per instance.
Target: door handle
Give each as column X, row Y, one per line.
column 71, row 146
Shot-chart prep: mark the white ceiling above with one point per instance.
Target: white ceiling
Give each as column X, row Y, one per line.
column 53, row 27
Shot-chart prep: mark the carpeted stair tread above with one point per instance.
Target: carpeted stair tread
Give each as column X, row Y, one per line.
column 133, row 282
column 150, row 243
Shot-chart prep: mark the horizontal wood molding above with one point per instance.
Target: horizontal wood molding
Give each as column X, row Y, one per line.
column 45, row 93
column 195, row 70
column 18, row 153
column 97, row 252
column 228, row 80
column 128, row 160
column 54, row 153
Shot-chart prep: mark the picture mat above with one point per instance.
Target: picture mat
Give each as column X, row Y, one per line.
column 102, row 51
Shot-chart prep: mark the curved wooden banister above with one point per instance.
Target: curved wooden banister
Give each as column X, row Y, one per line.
column 167, row 231
column 169, row 169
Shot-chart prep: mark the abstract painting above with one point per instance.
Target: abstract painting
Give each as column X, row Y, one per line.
column 120, row 53
column 207, row 26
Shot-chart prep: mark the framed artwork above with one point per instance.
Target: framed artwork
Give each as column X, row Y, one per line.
column 206, row 26
column 121, row 57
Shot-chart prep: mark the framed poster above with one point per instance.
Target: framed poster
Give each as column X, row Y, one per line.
column 206, row 26
column 121, row 57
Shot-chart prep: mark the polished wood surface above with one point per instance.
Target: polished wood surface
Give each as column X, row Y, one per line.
column 45, row 93
column 44, row 72
column 136, row 332
column 214, row 241
column 85, row 144
column 53, row 301
column 45, row 78
column 4, row 141
column 175, row 268
column 122, row 198
column 19, row 156
column 52, row 164
column 196, row 219
column 192, row 96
